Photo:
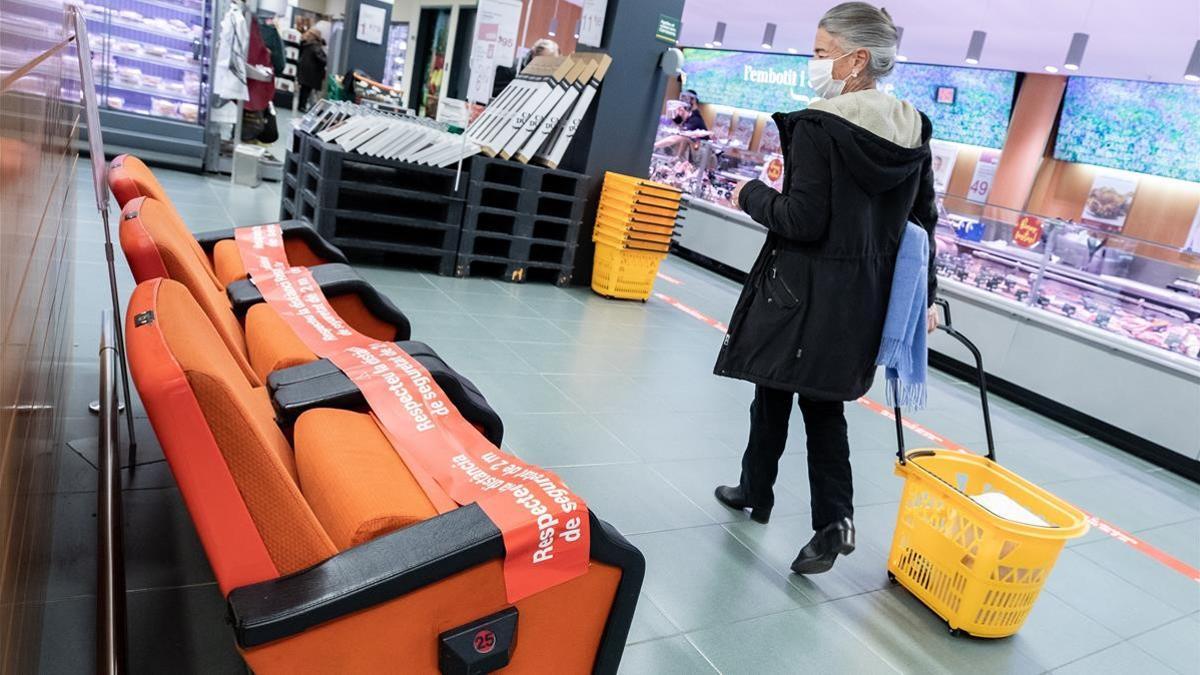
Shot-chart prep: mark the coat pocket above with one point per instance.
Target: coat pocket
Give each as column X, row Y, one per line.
column 785, row 289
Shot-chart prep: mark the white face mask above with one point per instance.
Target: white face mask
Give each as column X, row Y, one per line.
column 820, row 77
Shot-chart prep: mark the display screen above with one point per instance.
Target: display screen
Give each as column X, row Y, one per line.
column 1144, row 127
column 966, row 105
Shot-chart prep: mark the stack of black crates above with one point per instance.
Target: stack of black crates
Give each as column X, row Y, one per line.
column 503, row 220
column 376, row 210
column 521, row 222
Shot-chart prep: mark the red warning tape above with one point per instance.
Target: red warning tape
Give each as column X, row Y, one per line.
column 669, row 279
column 1096, row 522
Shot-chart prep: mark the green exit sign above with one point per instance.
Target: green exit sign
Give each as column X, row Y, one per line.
column 668, row 29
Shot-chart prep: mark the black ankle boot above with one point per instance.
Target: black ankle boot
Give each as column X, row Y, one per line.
column 818, row 554
column 735, row 498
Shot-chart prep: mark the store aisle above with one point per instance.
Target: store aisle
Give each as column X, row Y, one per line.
column 618, row 397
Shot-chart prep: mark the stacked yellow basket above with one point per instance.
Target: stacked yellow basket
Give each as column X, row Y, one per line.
column 634, row 226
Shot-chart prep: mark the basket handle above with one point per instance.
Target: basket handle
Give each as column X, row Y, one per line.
column 948, row 327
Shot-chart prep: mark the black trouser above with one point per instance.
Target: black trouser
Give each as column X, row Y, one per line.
column 828, row 453
column 305, row 97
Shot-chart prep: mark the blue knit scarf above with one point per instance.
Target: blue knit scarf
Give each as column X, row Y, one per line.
column 903, row 352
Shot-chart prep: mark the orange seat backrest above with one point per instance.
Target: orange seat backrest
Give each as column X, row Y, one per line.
column 154, row 245
column 130, row 178
column 172, row 341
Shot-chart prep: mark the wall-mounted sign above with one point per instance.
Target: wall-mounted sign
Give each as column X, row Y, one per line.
column 944, row 157
column 371, row 21
column 1109, row 201
column 985, row 172
column 591, row 22
column 668, row 29
column 946, row 95
column 1028, row 232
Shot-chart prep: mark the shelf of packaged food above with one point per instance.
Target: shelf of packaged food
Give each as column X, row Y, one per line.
column 114, row 85
column 186, row 7
column 100, row 19
column 191, row 65
column 47, row 38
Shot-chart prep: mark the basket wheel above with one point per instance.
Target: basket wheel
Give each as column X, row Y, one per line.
column 956, row 632
column 892, row 578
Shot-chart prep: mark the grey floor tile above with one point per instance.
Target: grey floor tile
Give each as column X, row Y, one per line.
column 632, row 498
column 704, row 577
column 1181, row 540
column 1143, row 571
column 564, row 439
column 698, row 478
column 778, row 543
column 1126, row 501
column 1116, row 660
column 800, row 640
column 523, row 329
column 471, row 357
column 649, row 623
column 428, row 325
column 69, row 636
column 1176, row 644
column 390, row 277
column 895, row 625
column 485, row 305
column 1121, row 607
column 515, row 393
column 603, row 393
column 669, row 656
column 181, row 630
column 569, row 359
column 173, row 556
column 407, row 299
column 666, row 436
column 1055, row 634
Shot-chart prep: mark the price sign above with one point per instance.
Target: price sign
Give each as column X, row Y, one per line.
column 591, row 23
column 1028, row 232
column 981, row 182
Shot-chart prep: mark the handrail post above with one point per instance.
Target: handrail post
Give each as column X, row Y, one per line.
column 110, row 605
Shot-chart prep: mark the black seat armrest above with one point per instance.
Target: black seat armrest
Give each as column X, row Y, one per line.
column 335, row 279
column 320, row 384
column 299, row 229
column 398, row 563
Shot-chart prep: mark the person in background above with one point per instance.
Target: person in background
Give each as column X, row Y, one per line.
column 505, row 74
column 809, row 322
column 310, row 74
column 690, row 118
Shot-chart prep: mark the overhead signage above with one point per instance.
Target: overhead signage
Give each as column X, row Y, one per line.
column 966, row 105
column 591, row 22
column 668, row 29
column 985, row 172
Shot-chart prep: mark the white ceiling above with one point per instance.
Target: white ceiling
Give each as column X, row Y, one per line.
column 1133, row 39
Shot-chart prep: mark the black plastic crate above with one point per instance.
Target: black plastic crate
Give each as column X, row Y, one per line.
column 516, row 249
column 513, row 271
column 517, row 224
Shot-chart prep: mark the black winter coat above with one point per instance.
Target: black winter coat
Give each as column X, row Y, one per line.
column 810, row 317
column 311, row 70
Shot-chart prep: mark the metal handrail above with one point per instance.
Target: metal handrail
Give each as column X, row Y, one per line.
column 110, row 606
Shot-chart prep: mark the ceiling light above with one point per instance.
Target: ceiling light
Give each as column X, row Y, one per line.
column 1192, row 74
column 899, row 36
column 901, row 57
column 578, row 25
column 975, row 48
column 769, row 36
column 553, row 27
column 1075, row 51
column 792, row 50
column 1051, row 69
column 719, row 34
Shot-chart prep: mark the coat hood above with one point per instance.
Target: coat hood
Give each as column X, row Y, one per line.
column 881, row 139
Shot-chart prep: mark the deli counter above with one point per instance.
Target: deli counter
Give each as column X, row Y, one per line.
column 1099, row 327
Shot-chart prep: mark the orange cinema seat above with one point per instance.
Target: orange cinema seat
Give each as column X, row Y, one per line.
column 330, row 555
column 156, row 244
column 129, row 178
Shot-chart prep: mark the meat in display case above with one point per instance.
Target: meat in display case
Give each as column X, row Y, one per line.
column 703, row 164
column 1137, row 289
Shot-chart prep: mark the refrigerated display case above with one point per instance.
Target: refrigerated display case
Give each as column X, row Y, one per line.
column 703, row 167
column 1130, row 288
column 397, row 54
column 151, row 60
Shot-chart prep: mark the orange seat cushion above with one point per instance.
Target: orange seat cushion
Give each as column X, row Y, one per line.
column 355, row 313
column 227, row 262
column 271, row 344
column 352, row 478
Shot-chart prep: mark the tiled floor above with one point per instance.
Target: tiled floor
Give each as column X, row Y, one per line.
column 619, row 398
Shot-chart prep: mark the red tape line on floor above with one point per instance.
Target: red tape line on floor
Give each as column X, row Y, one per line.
column 669, row 279
column 1096, row 522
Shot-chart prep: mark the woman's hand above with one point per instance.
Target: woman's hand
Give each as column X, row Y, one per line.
column 737, row 193
column 931, row 320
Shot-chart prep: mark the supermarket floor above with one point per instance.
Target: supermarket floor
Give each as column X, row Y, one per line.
column 619, row 398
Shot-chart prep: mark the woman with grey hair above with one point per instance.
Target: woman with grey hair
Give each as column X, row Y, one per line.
column 809, row 320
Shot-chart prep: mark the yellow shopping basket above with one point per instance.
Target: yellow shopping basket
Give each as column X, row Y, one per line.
column 979, row 571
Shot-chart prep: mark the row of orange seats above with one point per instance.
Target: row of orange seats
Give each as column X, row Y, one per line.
column 329, row 551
